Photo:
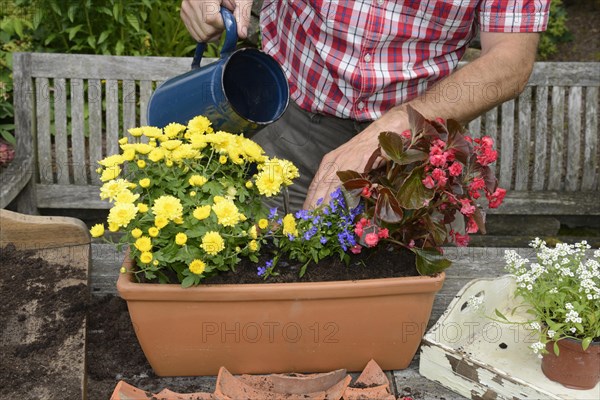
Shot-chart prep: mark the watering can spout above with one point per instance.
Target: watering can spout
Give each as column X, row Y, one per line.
column 242, row 92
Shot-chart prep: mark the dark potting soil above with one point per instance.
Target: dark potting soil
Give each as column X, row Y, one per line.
column 39, row 315
column 380, row 262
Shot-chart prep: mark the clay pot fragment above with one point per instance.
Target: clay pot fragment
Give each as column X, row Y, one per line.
column 371, row 384
column 125, row 391
column 272, row 387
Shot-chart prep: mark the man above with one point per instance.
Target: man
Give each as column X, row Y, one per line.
column 354, row 66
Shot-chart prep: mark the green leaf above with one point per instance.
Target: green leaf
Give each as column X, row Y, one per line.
column 303, row 269
column 71, row 13
column 585, row 343
column 18, row 27
column 556, row 349
column 103, row 36
column 500, row 315
column 387, row 207
column 187, row 282
column 413, row 194
column 73, row 31
column 392, row 144
column 133, row 21
column 91, row 41
column 430, row 261
column 120, row 47
column 412, row 155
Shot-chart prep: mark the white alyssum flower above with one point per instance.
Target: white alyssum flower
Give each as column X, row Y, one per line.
column 475, row 302
column 535, row 326
column 551, row 333
column 537, row 347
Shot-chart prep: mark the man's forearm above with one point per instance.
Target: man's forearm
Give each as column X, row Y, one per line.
column 499, row 74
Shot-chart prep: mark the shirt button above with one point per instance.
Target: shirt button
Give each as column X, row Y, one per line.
column 367, row 57
column 360, row 105
column 380, row 2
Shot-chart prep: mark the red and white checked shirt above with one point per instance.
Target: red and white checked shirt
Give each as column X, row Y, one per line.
column 357, row 59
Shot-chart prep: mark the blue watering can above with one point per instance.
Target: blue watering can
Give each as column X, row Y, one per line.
column 242, row 92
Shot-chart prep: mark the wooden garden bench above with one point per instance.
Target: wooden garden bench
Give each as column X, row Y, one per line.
column 548, row 137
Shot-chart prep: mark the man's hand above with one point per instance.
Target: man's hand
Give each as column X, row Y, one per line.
column 352, row 155
column 203, row 19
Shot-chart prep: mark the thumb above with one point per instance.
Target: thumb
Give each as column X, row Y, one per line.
column 242, row 17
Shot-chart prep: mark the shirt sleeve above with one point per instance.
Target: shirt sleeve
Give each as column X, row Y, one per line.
column 513, row 15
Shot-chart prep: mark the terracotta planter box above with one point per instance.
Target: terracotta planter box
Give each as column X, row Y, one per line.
column 280, row 327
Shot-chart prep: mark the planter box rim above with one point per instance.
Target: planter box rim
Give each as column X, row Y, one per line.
column 130, row 290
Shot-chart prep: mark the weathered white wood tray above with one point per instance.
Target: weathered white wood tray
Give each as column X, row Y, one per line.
column 471, row 354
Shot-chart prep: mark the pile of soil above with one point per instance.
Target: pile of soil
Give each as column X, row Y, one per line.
column 39, row 318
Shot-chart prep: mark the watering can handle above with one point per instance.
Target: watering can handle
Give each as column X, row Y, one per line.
column 230, row 39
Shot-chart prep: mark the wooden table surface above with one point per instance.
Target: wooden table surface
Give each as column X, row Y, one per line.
column 468, row 263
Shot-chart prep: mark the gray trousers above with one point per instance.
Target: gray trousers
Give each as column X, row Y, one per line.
column 304, row 138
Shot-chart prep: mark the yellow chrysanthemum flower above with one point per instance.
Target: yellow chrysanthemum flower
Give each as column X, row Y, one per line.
column 113, row 227
column 129, row 154
column 201, row 212
column 143, row 148
column 249, row 185
column 173, row 130
column 223, row 159
column 121, row 214
column 126, row 196
column 197, row 267
column 136, row 233
column 143, row 244
column 252, row 232
column 197, row 140
column 112, row 161
column 227, row 213
column 171, row 144
column 156, row 154
column 111, row 189
column 146, row 257
column 253, row 245
column 199, row 124
column 143, row 208
column 168, row 206
column 181, row 238
column 153, row 231
column 124, row 140
column 289, row 225
column 289, row 171
column 97, row 230
column 135, row 132
column 263, row 223
column 252, row 150
column 141, row 164
column 160, row 221
column 185, row 152
column 212, row 243
column 178, row 221
column 110, row 173
column 169, row 163
column 145, row 182
column 268, row 183
column 151, row 131
column 197, row 180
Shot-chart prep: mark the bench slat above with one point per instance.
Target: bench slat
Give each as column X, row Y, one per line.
column 541, row 138
column 77, row 133
column 129, row 106
column 507, row 144
column 44, row 147
column 557, row 145
column 95, row 126
column 112, row 117
column 574, row 139
column 524, row 138
column 145, row 94
column 491, row 125
column 475, row 128
column 60, row 124
column 548, row 203
column 591, row 169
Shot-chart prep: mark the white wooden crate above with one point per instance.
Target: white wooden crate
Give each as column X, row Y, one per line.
column 471, row 354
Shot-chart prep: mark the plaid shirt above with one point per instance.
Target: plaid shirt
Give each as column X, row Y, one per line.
column 357, row 59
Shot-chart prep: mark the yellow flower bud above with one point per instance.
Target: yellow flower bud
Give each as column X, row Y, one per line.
column 146, row 257
column 141, row 164
column 169, row 163
column 192, row 194
column 223, row 159
column 142, row 207
column 145, row 182
column 153, row 231
column 249, row 185
column 136, row 233
column 263, row 223
column 161, row 221
column 123, row 270
column 181, row 238
column 124, row 140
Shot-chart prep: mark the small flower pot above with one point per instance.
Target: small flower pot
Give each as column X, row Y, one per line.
column 280, row 327
column 573, row 367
